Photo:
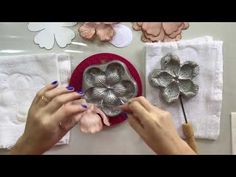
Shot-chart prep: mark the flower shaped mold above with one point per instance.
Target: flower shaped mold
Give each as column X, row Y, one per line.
column 174, row 79
column 108, row 86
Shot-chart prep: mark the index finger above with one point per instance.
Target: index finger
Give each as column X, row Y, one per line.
column 125, row 108
column 143, row 101
column 67, row 111
column 139, row 112
column 60, row 100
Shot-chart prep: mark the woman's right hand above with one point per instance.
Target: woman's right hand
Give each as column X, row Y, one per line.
column 155, row 126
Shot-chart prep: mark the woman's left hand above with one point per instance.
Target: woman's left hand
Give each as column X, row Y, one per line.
column 50, row 117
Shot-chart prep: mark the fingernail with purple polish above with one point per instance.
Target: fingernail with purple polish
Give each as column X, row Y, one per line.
column 54, row 83
column 80, row 92
column 70, row 88
column 84, row 106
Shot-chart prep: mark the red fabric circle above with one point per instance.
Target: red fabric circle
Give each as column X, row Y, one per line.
column 101, row 58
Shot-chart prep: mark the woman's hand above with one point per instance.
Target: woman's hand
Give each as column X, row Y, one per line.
column 50, row 117
column 155, row 126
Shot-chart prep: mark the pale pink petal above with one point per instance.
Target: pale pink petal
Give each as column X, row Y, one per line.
column 104, row 117
column 160, row 37
column 144, row 39
column 136, row 26
column 104, row 32
column 176, row 33
column 87, row 30
column 186, row 25
column 170, row 27
column 152, row 28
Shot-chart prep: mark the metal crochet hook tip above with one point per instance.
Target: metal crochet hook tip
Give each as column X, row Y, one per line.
column 182, row 106
column 122, row 102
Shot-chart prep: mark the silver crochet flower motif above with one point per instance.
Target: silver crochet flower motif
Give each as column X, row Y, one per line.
column 174, row 79
column 108, row 86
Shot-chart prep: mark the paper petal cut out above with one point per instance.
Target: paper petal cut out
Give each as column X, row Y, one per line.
column 123, row 36
column 48, row 32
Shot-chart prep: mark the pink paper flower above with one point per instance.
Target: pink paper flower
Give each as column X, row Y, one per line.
column 92, row 120
column 160, row 31
column 103, row 30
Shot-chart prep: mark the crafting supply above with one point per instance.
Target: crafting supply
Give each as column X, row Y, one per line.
column 77, row 76
column 109, row 85
column 205, row 107
column 21, row 77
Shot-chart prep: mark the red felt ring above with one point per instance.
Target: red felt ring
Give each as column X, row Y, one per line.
column 76, row 79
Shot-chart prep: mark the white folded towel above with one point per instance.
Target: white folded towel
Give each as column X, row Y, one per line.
column 21, row 77
column 203, row 110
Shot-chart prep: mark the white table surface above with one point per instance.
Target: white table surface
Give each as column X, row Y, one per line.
column 122, row 139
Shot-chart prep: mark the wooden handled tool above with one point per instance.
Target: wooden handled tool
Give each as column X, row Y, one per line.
column 188, row 130
column 189, row 134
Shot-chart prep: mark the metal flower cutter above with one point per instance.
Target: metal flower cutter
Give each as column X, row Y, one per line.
column 108, row 86
column 175, row 82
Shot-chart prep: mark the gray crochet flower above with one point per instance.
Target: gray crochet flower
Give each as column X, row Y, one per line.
column 174, row 79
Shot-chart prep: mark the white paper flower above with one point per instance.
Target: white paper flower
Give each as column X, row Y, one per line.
column 50, row 31
column 123, row 36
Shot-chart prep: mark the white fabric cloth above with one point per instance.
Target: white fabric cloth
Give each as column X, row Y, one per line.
column 203, row 110
column 233, row 132
column 21, row 76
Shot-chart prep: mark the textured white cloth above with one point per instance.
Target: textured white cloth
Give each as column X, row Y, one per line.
column 21, row 77
column 203, row 110
column 233, row 132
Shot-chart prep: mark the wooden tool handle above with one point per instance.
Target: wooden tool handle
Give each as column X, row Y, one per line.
column 188, row 132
